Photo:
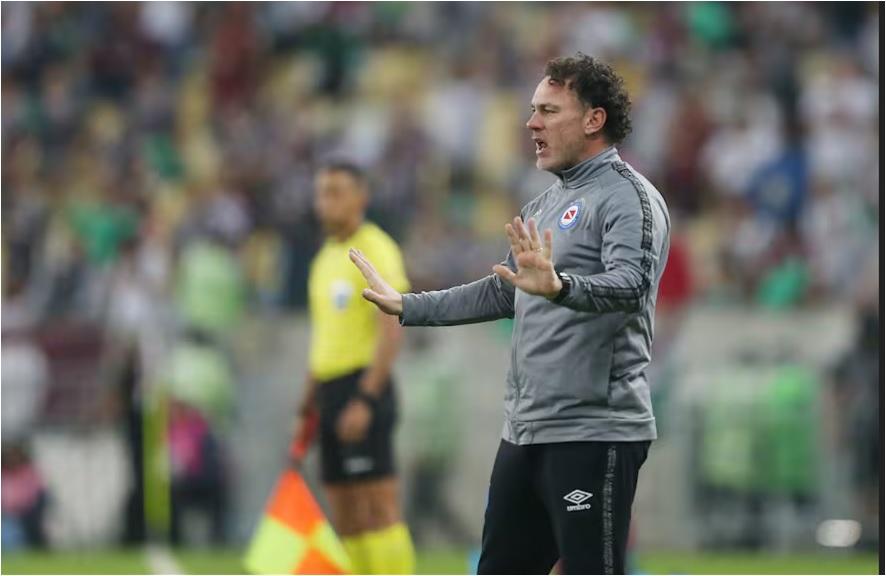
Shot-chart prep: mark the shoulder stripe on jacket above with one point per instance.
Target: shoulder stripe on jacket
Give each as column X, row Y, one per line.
column 633, row 292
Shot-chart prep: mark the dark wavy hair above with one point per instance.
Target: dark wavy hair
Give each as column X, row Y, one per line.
column 596, row 84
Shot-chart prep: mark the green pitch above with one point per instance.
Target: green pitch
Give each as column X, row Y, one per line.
column 442, row 562
column 750, row 563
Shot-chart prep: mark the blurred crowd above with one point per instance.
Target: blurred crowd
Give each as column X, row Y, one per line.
column 132, row 131
column 158, row 157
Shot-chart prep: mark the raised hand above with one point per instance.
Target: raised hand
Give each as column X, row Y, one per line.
column 535, row 267
column 379, row 292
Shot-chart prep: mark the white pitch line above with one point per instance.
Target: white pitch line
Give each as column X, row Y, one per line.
column 161, row 561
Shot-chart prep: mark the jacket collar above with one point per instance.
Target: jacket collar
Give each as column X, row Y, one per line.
column 584, row 171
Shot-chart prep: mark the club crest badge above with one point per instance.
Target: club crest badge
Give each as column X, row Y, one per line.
column 570, row 216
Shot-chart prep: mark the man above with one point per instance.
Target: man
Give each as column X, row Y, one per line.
column 353, row 347
column 578, row 419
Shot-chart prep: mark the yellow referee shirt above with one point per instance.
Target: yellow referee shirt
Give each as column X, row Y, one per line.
column 344, row 326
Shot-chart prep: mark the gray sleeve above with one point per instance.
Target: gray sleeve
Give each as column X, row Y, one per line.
column 627, row 254
column 481, row 301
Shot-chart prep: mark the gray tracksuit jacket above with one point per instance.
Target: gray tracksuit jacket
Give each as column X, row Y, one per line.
column 578, row 367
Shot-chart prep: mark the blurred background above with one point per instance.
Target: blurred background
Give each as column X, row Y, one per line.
column 157, row 229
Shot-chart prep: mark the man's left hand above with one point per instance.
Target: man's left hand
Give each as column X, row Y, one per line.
column 535, row 267
column 353, row 423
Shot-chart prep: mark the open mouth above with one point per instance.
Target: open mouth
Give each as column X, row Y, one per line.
column 540, row 145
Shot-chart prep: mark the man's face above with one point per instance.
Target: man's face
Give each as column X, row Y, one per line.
column 556, row 126
column 339, row 200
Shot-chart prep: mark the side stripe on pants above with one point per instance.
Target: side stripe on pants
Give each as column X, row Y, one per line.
column 608, row 481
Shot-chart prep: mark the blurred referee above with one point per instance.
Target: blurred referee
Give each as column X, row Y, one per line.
column 353, row 347
column 578, row 417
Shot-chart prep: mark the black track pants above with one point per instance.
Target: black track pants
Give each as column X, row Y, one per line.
column 568, row 500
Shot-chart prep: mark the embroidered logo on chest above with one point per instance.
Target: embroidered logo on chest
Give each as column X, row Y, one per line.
column 570, row 216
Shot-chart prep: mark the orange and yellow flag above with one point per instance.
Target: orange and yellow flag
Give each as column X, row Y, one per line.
column 294, row 536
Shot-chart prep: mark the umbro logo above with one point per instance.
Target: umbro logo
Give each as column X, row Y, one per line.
column 577, row 497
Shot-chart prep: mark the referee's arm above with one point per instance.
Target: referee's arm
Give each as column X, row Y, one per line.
column 376, row 376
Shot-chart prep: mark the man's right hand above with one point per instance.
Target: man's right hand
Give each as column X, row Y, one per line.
column 379, row 292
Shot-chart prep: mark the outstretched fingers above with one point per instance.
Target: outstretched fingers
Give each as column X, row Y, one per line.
column 522, row 234
column 504, row 273
column 548, row 248
column 365, row 266
column 513, row 238
column 379, row 291
column 534, row 240
column 372, row 296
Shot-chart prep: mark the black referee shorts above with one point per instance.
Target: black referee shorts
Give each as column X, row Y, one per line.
column 568, row 500
column 368, row 459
